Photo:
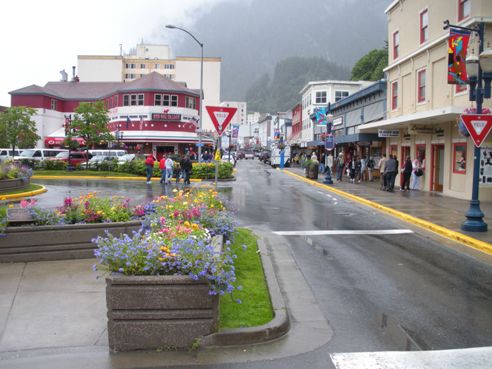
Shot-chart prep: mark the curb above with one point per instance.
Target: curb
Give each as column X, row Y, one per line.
column 24, row 194
column 482, row 246
column 154, row 179
column 276, row 328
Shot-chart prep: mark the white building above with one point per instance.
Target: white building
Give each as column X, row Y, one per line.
column 148, row 58
column 319, row 94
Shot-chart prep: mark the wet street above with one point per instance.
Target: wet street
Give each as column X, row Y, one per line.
column 379, row 292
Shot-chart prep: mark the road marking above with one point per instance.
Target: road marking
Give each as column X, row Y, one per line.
column 343, row 232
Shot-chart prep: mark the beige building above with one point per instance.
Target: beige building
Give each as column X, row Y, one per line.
column 148, row 58
column 421, row 105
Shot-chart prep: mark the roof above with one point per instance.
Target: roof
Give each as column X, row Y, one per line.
column 376, row 87
column 97, row 90
column 331, row 82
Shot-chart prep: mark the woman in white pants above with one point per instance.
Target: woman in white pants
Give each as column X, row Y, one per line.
column 417, row 172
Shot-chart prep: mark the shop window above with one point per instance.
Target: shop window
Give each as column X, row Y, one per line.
column 424, row 26
column 126, row 100
column 396, row 44
column 190, row 102
column 53, row 104
column 463, row 9
column 459, row 158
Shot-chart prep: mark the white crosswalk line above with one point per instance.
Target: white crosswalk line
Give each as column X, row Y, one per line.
column 343, row 232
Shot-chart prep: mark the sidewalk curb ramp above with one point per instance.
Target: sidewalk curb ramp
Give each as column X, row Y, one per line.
column 272, row 330
column 463, row 239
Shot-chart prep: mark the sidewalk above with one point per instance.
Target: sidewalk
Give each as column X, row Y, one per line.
column 442, row 210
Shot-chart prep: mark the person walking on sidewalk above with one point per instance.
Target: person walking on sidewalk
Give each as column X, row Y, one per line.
column 370, row 168
column 418, row 171
column 363, row 169
column 340, row 163
column 389, row 173
column 162, row 167
column 169, row 165
column 149, row 167
column 382, row 166
column 407, row 172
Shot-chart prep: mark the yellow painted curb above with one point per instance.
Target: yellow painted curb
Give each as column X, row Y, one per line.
column 109, row 177
column 440, row 230
column 23, row 194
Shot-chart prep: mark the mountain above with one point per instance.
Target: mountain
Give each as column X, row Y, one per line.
column 253, row 35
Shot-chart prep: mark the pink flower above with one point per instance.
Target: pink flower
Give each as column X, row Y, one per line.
column 67, row 202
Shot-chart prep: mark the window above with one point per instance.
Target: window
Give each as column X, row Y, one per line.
column 190, row 102
column 174, row 100
column 130, row 66
column 156, row 66
column 463, row 9
column 165, row 100
column 157, row 100
column 53, row 104
column 339, row 95
column 424, row 26
column 140, row 99
column 126, row 100
column 394, row 96
column 459, row 158
column 396, row 45
column 168, row 66
column 133, row 100
column 116, row 101
column 421, row 85
column 142, row 66
column 320, row 97
column 129, row 75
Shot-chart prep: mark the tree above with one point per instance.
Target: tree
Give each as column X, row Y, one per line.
column 91, row 124
column 370, row 66
column 17, row 129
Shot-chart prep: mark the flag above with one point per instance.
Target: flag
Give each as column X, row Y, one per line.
column 128, row 121
column 457, row 45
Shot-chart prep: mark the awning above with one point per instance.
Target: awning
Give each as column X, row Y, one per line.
column 315, row 143
column 436, row 116
column 358, row 137
column 57, row 138
column 163, row 136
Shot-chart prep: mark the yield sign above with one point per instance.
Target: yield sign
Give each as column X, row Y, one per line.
column 478, row 126
column 221, row 117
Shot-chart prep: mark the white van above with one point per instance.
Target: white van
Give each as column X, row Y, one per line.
column 7, row 153
column 38, row 154
column 112, row 153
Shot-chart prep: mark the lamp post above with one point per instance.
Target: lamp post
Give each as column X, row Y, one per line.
column 479, row 70
column 201, row 90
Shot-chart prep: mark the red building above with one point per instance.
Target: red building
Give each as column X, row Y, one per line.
column 149, row 114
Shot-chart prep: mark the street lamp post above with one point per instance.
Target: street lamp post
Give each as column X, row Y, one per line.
column 201, row 90
column 479, row 70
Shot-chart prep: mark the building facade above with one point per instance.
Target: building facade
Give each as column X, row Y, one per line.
column 319, row 94
column 152, row 114
column 421, row 106
column 148, row 58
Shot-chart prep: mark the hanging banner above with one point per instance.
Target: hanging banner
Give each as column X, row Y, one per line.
column 457, row 46
column 235, row 132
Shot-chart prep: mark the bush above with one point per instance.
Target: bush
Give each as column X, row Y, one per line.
column 53, row 165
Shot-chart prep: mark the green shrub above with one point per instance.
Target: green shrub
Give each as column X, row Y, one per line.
column 53, row 165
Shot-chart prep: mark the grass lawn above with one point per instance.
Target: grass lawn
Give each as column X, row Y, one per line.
column 31, row 187
column 256, row 308
column 96, row 173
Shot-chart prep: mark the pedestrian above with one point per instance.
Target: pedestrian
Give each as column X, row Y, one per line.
column 180, row 173
column 382, row 165
column 407, row 172
column 322, row 165
column 370, row 168
column 162, row 167
column 352, row 169
column 340, row 165
column 329, row 163
column 358, row 168
column 186, row 167
column 169, row 165
column 389, row 173
column 396, row 170
column 363, row 168
column 149, row 167
column 417, row 172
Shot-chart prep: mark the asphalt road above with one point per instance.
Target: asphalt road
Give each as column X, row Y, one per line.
column 378, row 292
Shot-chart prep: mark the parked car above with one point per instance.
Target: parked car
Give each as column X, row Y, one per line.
column 228, row 158
column 265, row 156
column 38, row 154
column 97, row 160
column 76, row 157
column 249, row 155
column 7, row 153
column 112, row 153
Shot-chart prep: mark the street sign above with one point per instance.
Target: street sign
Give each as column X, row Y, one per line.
column 478, row 125
column 221, row 117
column 199, row 144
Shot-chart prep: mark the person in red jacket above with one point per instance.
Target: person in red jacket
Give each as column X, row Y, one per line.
column 149, row 167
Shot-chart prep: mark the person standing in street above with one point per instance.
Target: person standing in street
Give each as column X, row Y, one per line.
column 389, row 173
column 149, row 167
column 169, row 166
column 382, row 165
column 407, row 172
column 186, row 167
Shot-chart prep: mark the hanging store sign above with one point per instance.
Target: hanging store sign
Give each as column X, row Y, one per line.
column 420, row 130
column 388, row 133
column 166, row 116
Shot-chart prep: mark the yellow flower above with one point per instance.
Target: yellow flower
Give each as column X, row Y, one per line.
column 175, row 190
column 11, row 206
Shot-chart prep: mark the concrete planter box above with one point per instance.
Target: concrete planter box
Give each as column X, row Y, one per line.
column 158, row 312
column 42, row 243
column 7, row 185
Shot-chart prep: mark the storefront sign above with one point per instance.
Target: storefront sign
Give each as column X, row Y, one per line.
column 420, row 130
column 388, row 133
column 166, row 116
column 338, row 121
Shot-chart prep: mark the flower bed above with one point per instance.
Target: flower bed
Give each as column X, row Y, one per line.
column 13, row 176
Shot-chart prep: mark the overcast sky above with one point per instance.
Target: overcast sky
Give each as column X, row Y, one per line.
column 39, row 38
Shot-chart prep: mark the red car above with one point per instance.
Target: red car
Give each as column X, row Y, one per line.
column 76, row 157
